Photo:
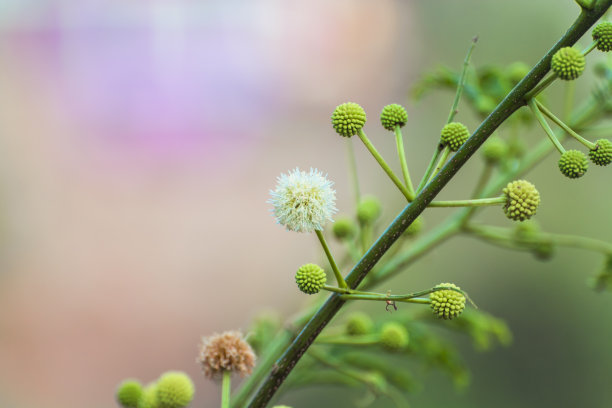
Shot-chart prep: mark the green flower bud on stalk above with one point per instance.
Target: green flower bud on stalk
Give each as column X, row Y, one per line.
column 394, row 336
column 602, row 33
column 129, row 393
column 447, row 304
column 348, row 119
column 573, row 164
column 393, row 115
column 601, row 155
column 344, row 228
column 148, row 398
column 568, row 63
column 359, row 324
column 368, row 210
column 454, row 135
column 310, row 278
column 522, row 200
column 174, row 390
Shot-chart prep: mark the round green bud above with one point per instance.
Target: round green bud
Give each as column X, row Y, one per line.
column 394, row 336
column 348, row 119
column 494, row 150
column 393, row 115
column 415, row 227
column 368, row 210
column 446, row 303
column 344, row 228
column 522, row 200
column 149, row 397
column 601, row 155
column 310, row 278
column 602, row 33
column 174, row 390
column 454, row 135
column 129, row 393
column 359, row 324
column 573, row 164
column 568, row 63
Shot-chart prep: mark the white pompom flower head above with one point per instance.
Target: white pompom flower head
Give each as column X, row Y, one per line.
column 303, row 201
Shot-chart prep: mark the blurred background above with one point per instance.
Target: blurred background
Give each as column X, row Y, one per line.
column 140, row 139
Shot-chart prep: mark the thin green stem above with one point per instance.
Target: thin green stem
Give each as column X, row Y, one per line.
column 430, row 168
column 226, row 387
column 541, row 86
column 545, row 126
column 562, row 125
column 349, row 341
column 514, row 100
column 461, row 83
column 350, row 153
column 399, row 141
column 385, row 166
column 330, row 258
column 377, row 298
column 477, row 202
column 441, row 161
column 589, row 48
column 567, row 240
column 358, row 294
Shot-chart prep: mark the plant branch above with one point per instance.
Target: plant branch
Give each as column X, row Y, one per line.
column 513, row 101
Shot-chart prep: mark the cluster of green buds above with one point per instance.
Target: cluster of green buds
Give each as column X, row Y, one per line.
column 568, row 64
column 173, row 389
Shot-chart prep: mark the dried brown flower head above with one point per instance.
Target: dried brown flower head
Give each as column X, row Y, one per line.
column 226, row 352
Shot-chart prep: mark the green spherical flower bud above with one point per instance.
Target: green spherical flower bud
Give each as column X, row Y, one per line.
column 149, row 397
column 310, row 278
column 393, row 115
column 568, row 63
column 494, row 150
column 344, row 228
column 602, row 33
column 573, row 164
column 446, row 303
column 368, row 210
column 601, row 155
column 129, row 393
column 359, row 324
column 174, row 390
column 348, row 119
column 522, row 200
column 394, row 336
column 415, row 227
column 454, row 135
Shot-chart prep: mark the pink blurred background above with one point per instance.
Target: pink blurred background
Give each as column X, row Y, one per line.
column 140, row 140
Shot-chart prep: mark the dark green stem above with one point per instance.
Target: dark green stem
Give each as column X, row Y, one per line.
column 514, row 100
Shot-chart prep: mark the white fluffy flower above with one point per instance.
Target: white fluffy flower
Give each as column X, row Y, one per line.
column 303, row 201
